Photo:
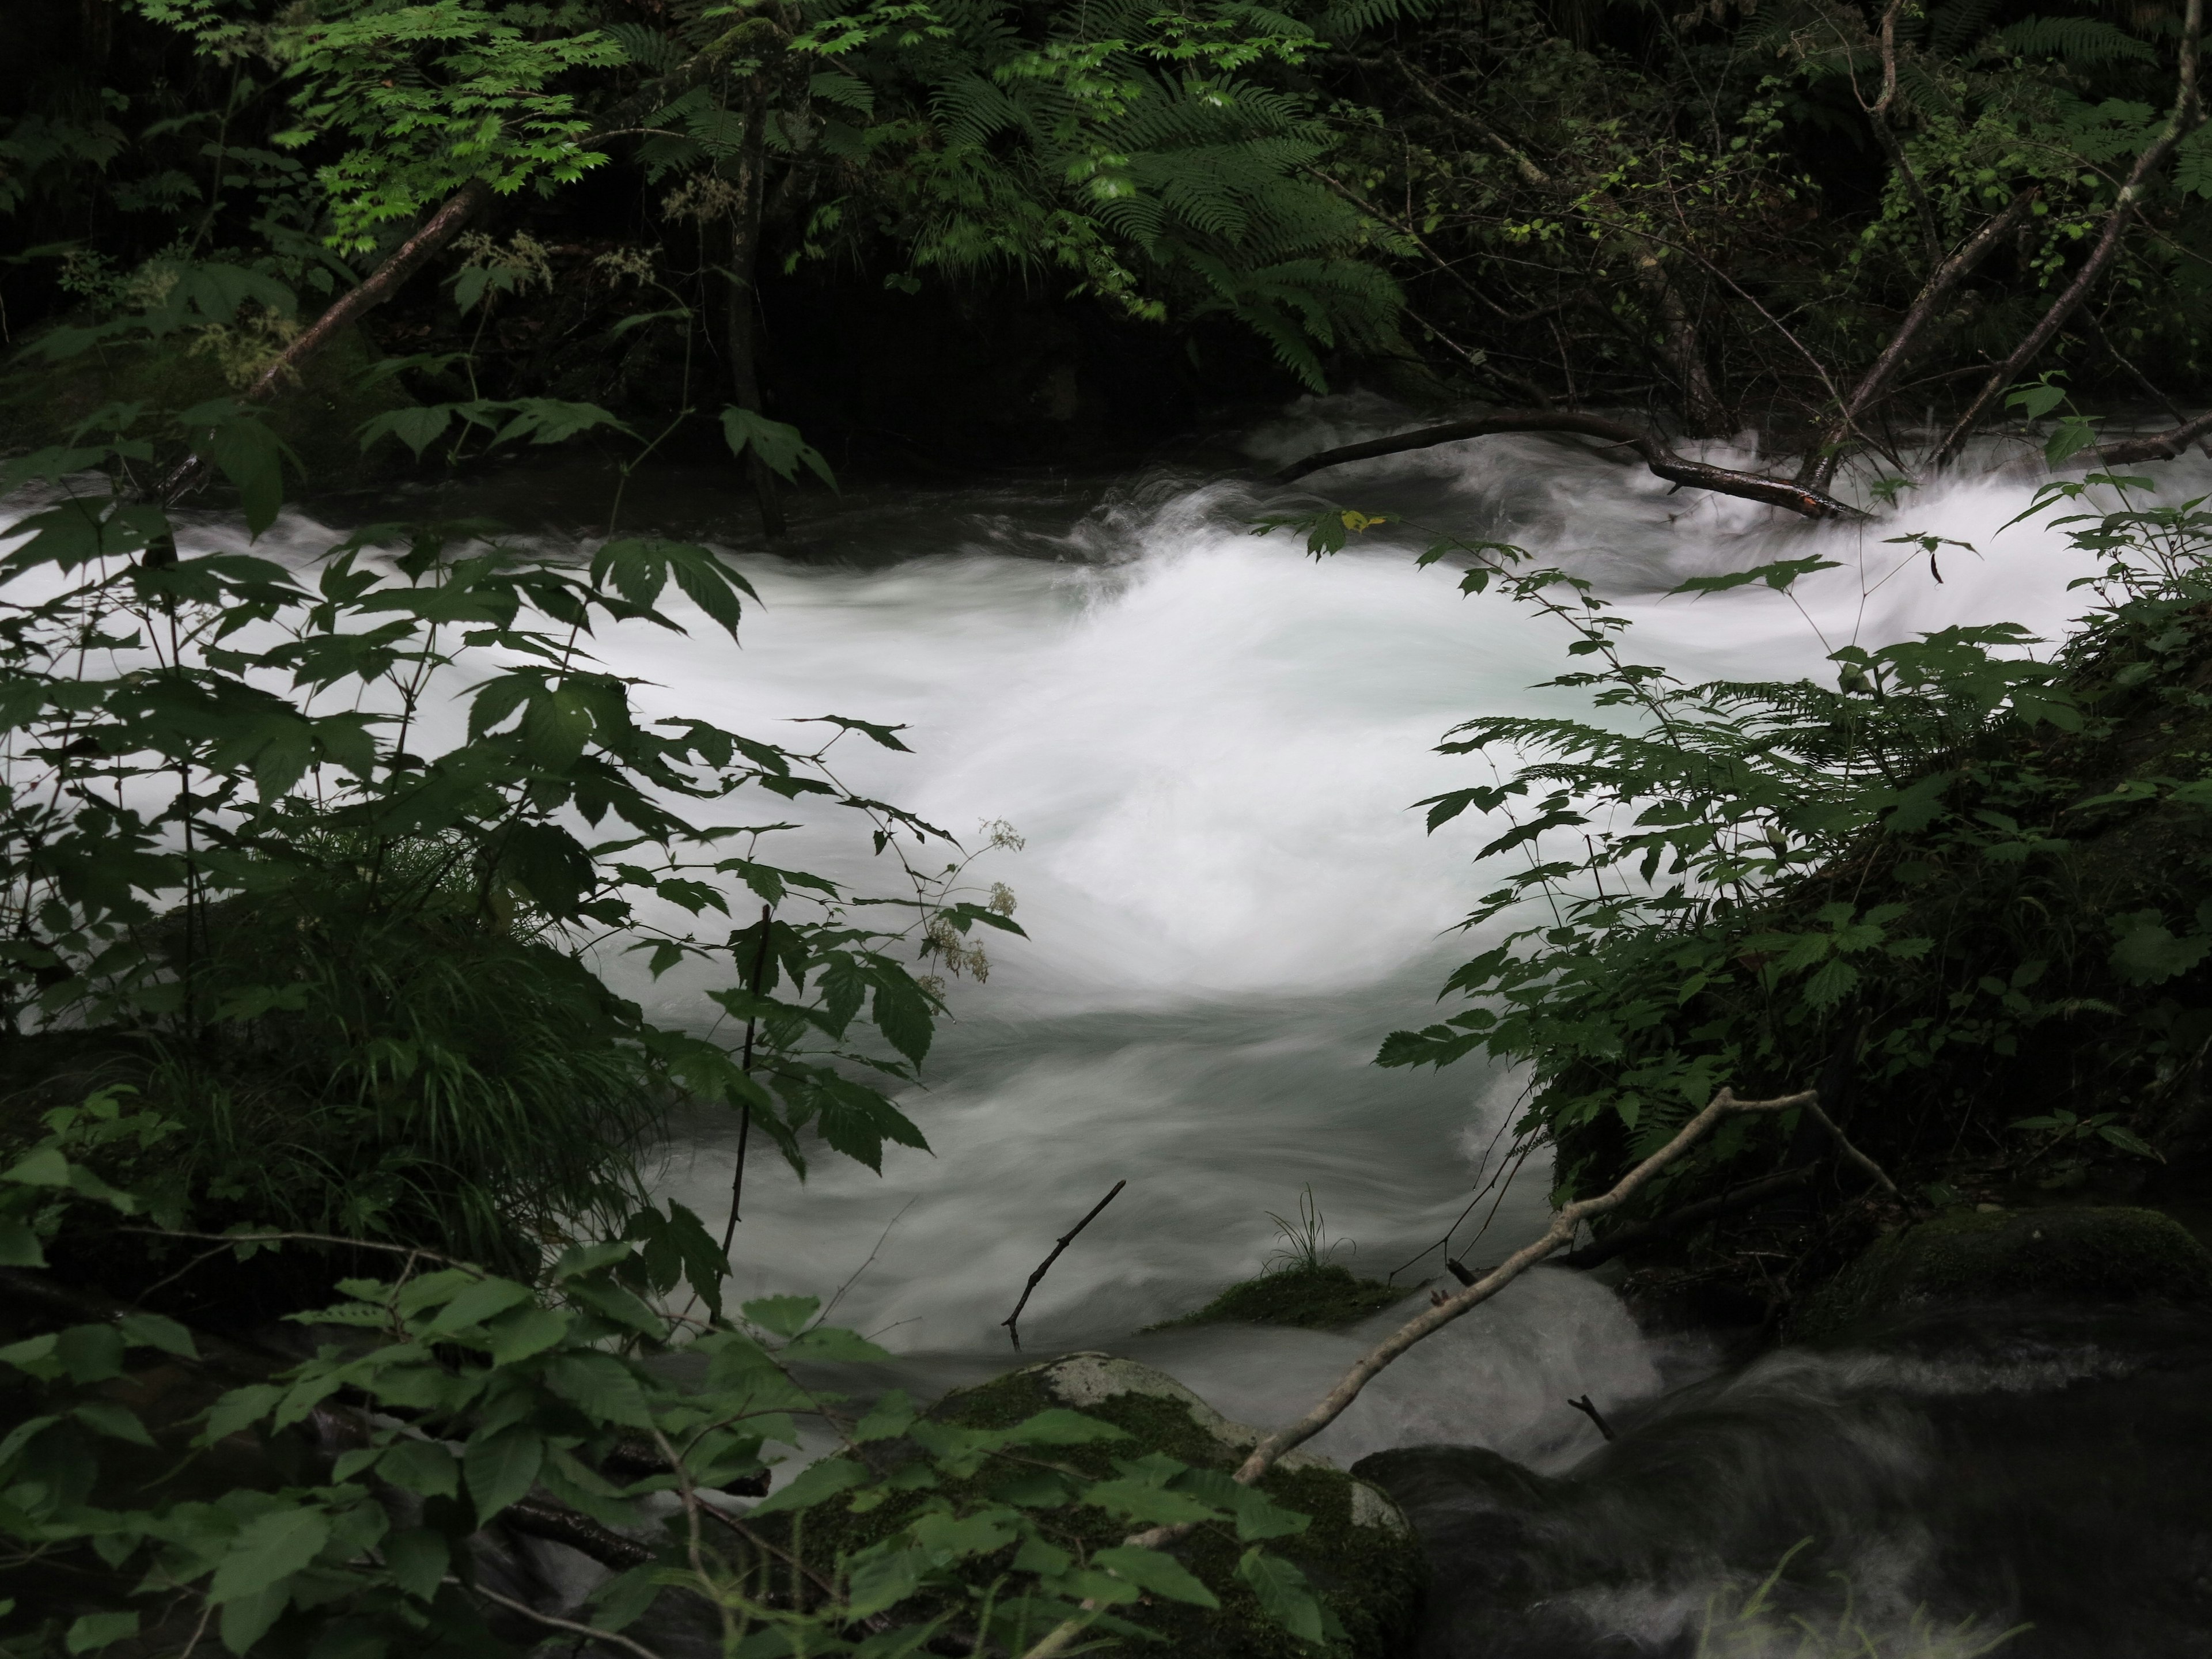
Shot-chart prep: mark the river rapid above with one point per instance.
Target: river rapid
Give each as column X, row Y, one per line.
column 1210, row 745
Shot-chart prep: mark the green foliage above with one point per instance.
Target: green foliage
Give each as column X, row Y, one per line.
column 1938, row 871
column 343, row 949
column 447, row 1395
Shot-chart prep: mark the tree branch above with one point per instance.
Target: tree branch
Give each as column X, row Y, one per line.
column 451, row 217
column 2156, row 446
column 1797, row 498
column 2188, row 115
column 1820, row 467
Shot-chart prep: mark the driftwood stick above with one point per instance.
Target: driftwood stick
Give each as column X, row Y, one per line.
column 1564, row 1221
column 1012, row 1320
column 1587, row 1407
column 1797, row 498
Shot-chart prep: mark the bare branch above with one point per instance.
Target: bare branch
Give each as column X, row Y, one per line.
column 1820, row 466
column 1697, row 475
column 613, row 1638
column 1012, row 1320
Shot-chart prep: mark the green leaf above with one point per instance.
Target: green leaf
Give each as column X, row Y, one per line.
column 1258, row 1515
column 268, row 1549
column 19, row 1245
column 816, row 1483
column 779, row 447
column 424, row 1467
column 246, row 1620
column 418, row 1559
column 94, row 1631
column 830, row 1343
column 1778, row 576
column 417, row 428
column 239, row 1409
column 883, row 1576
column 477, row 1304
column 782, row 1315
column 515, row 1336
column 1283, row 1594
column 625, row 1598
column 1153, row 1570
column 1140, row 1500
column 2147, row 954
column 601, row 1387
column 2129, row 1141
column 115, row 1421
column 501, row 1467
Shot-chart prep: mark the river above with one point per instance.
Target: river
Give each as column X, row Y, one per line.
column 1210, row 745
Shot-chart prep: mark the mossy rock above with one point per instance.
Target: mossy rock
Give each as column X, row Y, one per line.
column 1359, row 1553
column 1313, row 1298
column 2116, row 1253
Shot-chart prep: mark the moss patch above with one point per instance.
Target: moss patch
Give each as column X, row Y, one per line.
column 2094, row 1254
column 1359, row 1553
column 1312, row 1298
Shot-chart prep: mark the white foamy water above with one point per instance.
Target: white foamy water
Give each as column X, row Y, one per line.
column 1211, row 745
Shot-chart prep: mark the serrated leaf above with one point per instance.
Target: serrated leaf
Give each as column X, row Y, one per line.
column 502, row 1467
column 1156, row 1571
column 418, row 1559
column 782, row 1315
column 267, row 1550
column 517, row 1335
column 1283, row 1594
column 816, row 1483
column 95, row 1631
column 425, row 1467
column 600, row 1386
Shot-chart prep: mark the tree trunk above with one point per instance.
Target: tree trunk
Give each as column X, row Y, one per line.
column 740, row 314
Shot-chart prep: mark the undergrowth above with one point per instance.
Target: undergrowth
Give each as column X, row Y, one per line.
column 1964, row 890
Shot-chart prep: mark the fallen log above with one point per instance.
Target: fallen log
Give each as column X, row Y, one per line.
column 1684, row 473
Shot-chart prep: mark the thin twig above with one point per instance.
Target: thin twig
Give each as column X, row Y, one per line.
column 613, row 1637
column 1588, row 1408
column 852, row 1278
column 1012, row 1320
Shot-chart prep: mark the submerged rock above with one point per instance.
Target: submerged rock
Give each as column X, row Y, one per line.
column 1359, row 1554
column 2113, row 1254
column 1315, row 1298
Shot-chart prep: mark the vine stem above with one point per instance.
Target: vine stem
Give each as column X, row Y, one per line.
column 746, row 1110
column 1564, row 1221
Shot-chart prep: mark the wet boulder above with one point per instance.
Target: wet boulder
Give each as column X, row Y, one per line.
column 2090, row 1254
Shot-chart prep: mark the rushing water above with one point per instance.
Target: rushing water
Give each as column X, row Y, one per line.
column 1211, row 745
